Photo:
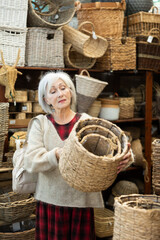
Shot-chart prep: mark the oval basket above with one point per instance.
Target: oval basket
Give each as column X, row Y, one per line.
column 76, row 60
column 84, row 170
column 137, row 217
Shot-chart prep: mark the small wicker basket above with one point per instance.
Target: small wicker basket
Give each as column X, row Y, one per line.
column 126, row 107
column 20, row 96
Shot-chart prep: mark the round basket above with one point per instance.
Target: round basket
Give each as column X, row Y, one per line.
column 47, row 13
column 126, row 107
column 110, row 108
column 95, row 108
column 76, row 60
column 88, row 89
column 104, row 222
column 124, row 187
column 137, row 216
column 12, row 197
column 78, row 164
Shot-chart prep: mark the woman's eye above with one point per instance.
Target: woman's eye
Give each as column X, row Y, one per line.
column 52, row 92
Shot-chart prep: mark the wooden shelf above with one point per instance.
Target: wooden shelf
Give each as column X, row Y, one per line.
column 2, row 170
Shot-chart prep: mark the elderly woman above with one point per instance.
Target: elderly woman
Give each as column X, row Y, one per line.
column 62, row 211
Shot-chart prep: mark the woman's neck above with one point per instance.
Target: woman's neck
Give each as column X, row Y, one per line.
column 63, row 116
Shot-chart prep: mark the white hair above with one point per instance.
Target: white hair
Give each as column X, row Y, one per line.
column 52, row 77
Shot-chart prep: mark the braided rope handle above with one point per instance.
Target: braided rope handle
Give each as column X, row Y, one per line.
column 85, row 71
column 155, row 32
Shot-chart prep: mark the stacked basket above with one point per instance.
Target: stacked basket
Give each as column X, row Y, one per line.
column 94, row 148
column 156, row 166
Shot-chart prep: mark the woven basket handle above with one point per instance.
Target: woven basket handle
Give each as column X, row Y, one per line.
column 153, row 8
column 39, row 11
column 85, row 71
column 155, row 32
column 84, row 23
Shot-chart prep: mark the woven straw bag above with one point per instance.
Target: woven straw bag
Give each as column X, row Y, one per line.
column 83, row 158
column 48, row 13
column 84, row 42
column 104, row 222
column 137, row 216
column 88, row 89
column 74, row 59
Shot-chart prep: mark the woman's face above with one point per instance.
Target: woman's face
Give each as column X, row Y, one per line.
column 58, row 94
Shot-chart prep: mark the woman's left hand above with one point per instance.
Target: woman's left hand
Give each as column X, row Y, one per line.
column 125, row 160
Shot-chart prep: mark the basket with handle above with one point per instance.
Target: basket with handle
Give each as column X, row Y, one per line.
column 48, row 13
column 107, row 17
column 85, row 42
column 88, row 89
column 74, row 59
column 137, row 216
column 85, row 157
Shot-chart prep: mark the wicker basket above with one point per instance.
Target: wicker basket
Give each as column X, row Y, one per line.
column 95, row 108
column 25, row 235
column 20, row 96
column 21, row 115
column 124, row 187
column 120, row 55
column 156, row 166
column 104, row 222
column 141, row 23
column 31, row 95
column 11, row 40
column 76, row 60
column 78, row 165
column 13, row 13
column 8, row 163
column 44, row 47
column 83, row 41
column 126, row 107
column 137, row 216
column 47, row 13
column 36, row 96
column 26, row 107
column 37, row 108
column 12, row 211
column 107, row 17
column 12, row 197
column 4, row 115
column 88, row 89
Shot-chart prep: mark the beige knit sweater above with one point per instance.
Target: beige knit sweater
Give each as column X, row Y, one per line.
column 40, row 157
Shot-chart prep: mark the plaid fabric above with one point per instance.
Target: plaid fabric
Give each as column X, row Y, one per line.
column 64, row 130
column 64, row 223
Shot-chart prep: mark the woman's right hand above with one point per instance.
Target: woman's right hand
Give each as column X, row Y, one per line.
column 58, row 153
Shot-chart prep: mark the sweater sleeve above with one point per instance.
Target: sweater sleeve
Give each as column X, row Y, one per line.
column 36, row 157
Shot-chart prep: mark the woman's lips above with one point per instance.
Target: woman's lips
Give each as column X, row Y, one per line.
column 61, row 101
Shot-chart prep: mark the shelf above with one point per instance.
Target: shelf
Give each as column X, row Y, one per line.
column 2, row 170
column 129, row 120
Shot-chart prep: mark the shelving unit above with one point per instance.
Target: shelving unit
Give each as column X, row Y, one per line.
column 148, row 110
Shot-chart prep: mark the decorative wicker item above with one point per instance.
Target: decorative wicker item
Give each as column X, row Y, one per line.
column 31, row 95
column 148, row 56
column 84, row 42
column 156, row 166
column 142, row 22
column 44, row 47
column 12, row 197
column 25, row 235
column 21, row 115
column 104, row 222
column 78, row 165
column 12, row 211
column 124, row 187
column 137, row 216
column 37, row 108
column 76, row 60
column 47, row 13
column 126, row 107
column 107, row 17
column 9, row 157
column 120, row 55
column 95, row 108
column 88, row 89
column 20, row 96
column 110, row 108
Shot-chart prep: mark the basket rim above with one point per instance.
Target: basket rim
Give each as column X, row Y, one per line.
column 83, row 77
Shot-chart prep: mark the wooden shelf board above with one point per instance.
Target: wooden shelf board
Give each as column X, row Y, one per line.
column 5, row 170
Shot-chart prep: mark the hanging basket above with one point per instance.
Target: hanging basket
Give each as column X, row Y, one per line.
column 84, row 42
column 88, row 89
column 48, row 13
column 85, row 163
column 76, row 60
column 137, row 217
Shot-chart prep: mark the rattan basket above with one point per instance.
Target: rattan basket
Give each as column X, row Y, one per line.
column 4, row 115
column 25, row 235
column 124, row 187
column 107, row 17
column 95, row 108
column 44, row 47
column 88, row 89
column 156, row 166
column 137, row 216
column 79, row 163
column 20, row 96
column 48, row 13
column 84, row 42
column 76, row 60
column 104, row 222
column 126, row 107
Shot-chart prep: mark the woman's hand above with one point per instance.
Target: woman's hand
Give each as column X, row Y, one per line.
column 125, row 160
column 58, row 153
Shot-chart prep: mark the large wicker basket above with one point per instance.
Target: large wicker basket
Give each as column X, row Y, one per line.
column 48, row 13
column 137, row 217
column 107, row 17
column 25, row 235
column 44, row 47
column 85, row 163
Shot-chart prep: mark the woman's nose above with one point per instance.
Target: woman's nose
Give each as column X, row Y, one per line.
column 59, row 92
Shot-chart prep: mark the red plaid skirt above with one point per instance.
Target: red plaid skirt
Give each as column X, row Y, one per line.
column 64, row 223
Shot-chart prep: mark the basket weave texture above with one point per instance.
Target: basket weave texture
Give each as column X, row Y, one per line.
column 156, row 166
column 126, row 107
column 85, row 163
column 76, row 60
column 48, row 13
column 137, row 217
column 107, row 17
column 104, row 222
column 120, row 55
column 44, row 47
column 25, row 235
column 13, row 13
